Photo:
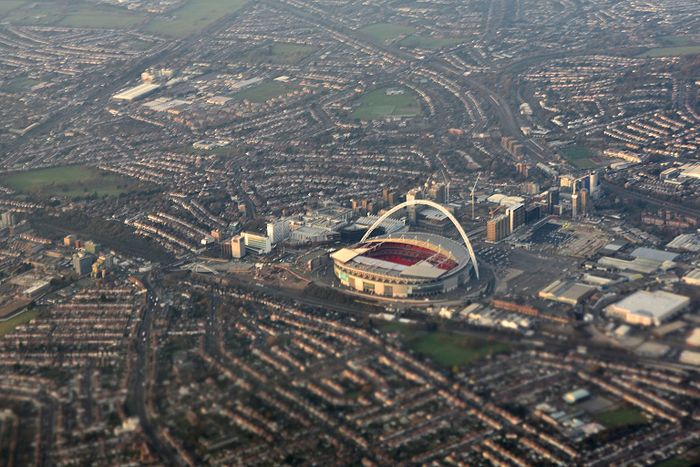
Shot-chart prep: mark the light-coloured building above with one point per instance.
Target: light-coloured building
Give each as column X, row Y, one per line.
column 278, row 230
column 137, row 92
column 575, row 396
column 567, row 292
column 692, row 278
column 237, row 247
column 645, row 308
column 260, row 244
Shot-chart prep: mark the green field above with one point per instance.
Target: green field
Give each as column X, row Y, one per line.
column 24, row 317
column 68, row 182
column 8, row 5
column 101, row 17
column 20, row 84
column 619, row 417
column 384, row 32
column 672, row 51
column 35, row 13
column 281, row 53
column 79, row 15
column 677, row 462
column 446, row 348
column 426, row 42
column 579, row 157
column 193, row 16
column 263, row 92
column 377, row 105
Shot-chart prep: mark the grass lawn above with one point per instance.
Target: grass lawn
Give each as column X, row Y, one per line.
column 39, row 13
column 8, row 5
column 20, row 84
column 672, row 51
column 579, row 156
column 377, row 105
column 383, row 32
column 446, row 348
column 676, row 41
column 102, row 17
column 621, row 417
column 677, row 462
column 78, row 15
column 263, row 92
column 193, row 16
column 8, row 325
column 68, row 182
column 281, row 53
column 426, row 42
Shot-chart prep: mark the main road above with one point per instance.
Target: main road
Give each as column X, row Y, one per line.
column 138, row 389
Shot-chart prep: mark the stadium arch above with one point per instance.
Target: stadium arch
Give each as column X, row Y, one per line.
column 432, row 204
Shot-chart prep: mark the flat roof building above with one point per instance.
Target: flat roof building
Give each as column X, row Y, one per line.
column 646, row 308
column 137, row 92
column 567, row 292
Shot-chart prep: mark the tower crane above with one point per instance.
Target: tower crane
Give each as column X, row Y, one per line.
column 472, row 193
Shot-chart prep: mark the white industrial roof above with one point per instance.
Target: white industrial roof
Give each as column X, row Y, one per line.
column 657, row 304
column 687, row 242
column 653, row 254
column 136, row 91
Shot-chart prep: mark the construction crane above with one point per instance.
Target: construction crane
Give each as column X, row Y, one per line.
column 472, row 194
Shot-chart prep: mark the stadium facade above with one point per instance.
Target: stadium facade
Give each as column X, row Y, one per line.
column 406, row 265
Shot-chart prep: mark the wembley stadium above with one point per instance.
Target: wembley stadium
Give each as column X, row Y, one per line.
column 404, row 265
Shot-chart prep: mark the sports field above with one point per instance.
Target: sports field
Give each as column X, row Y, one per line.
column 263, row 92
column 446, row 348
column 72, row 14
column 193, row 16
column 378, row 104
column 281, row 53
column 622, row 416
column 384, row 32
column 68, row 182
column 9, row 5
column 579, row 157
column 101, row 17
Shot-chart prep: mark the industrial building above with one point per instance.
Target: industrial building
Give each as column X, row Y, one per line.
column 567, row 292
column 645, row 308
column 137, row 92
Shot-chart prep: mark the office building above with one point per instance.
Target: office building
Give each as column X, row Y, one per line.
column 552, row 199
column 593, row 183
column 583, row 201
column 7, row 219
column 82, row 263
column 92, row 247
column 497, row 228
column 69, row 240
column 532, row 214
column 278, row 230
column 516, row 217
column 237, row 247
column 413, row 195
column 574, row 205
column 260, row 244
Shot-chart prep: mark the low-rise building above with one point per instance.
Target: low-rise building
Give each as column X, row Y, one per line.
column 645, row 308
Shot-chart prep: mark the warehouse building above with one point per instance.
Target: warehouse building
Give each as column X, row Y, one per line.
column 644, row 308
